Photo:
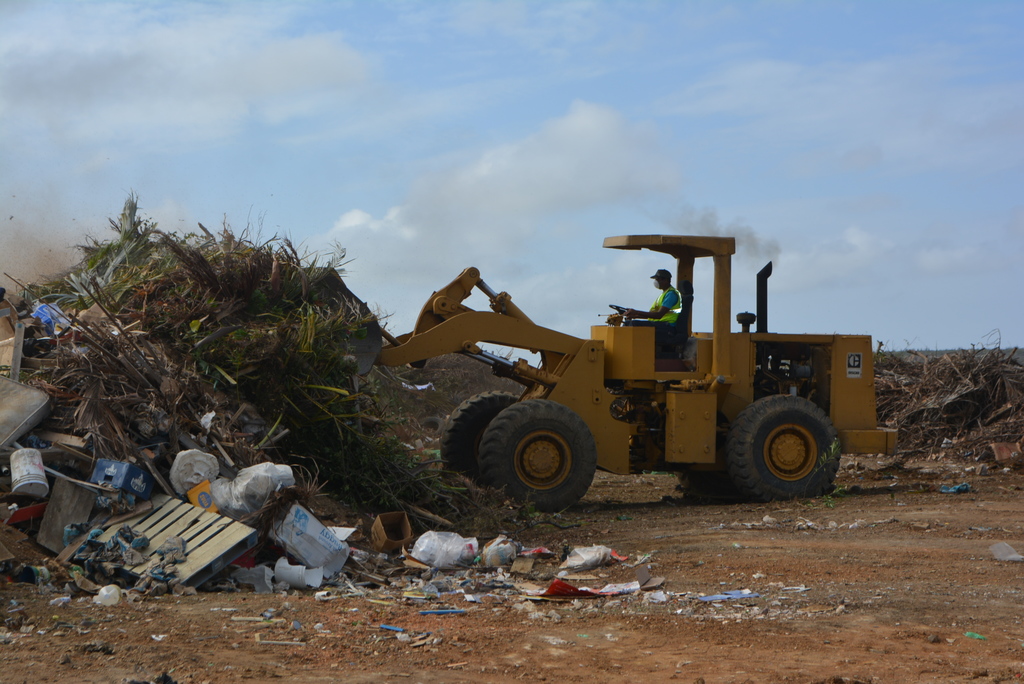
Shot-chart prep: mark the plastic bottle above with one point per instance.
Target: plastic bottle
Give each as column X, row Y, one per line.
column 109, row 595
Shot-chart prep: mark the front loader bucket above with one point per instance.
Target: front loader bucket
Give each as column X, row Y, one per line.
column 366, row 344
column 367, row 349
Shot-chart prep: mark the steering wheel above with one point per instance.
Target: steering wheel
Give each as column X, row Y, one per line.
column 619, row 309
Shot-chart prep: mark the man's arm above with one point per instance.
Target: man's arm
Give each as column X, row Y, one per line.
column 670, row 301
column 634, row 313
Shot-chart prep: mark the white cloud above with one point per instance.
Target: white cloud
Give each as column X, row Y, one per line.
column 912, row 113
column 944, row 259
column 136, row 72
column 592, row 156
column 852, row 257
column 500, row 203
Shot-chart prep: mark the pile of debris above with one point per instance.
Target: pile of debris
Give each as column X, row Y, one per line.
column 966, row 403
column 176, row 402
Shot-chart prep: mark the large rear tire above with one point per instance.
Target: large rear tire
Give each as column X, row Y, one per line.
column 460, row 441
column 782, row 447
column 540, row 452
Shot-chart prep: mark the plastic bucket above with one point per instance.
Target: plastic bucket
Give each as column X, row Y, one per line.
column 27, row 474
column 297, row 576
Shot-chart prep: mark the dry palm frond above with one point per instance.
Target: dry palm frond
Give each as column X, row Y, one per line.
column 238, row 347
column 967, row 397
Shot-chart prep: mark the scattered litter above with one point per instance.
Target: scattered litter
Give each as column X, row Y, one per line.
column 647, row 582
column 498, row 552
column 297, row 576
column 975, row 635
column 444, row 549
column 325, row 596
column 259, row 577
column 309, row 541
column 958, row 489
column 729, row 595
column 109, row 595
column 1004, row 552
column 590, row 557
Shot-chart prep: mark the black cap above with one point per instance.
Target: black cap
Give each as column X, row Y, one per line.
column 662, row 273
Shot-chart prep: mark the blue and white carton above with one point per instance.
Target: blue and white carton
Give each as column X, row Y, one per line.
column 131, row 479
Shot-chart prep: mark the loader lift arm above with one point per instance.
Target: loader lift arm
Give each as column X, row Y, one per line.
column 447, row 326
column 544, row 445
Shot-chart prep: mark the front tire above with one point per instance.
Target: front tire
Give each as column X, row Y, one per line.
column 460, row 441
column 782, row 447
column 541, row 452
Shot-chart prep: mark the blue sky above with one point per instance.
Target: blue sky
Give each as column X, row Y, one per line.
column 874, row 151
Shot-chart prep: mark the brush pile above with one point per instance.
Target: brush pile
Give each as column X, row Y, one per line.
column 958, row 403
column 240, row 349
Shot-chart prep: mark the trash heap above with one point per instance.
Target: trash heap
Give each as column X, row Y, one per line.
column 965, row 404
column 176, row 402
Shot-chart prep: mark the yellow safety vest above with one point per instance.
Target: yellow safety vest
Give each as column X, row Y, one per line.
column 673, row 315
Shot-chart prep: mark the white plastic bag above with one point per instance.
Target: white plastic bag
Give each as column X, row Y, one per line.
column 499, row 551
column 588, row 558
column 250, row 489
column 192, row 467
column 444, row 549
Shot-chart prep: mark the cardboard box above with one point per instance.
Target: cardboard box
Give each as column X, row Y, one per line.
column 391, row 531
column 312, row 544
column 124, row 476
column 200, row 496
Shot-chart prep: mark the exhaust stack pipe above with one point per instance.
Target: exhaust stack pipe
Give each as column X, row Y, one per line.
column 762, row 297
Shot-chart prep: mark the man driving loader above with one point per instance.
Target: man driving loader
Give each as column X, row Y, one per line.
column 664, row 312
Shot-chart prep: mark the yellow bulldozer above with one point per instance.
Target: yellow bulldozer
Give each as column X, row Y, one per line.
column 769, row 414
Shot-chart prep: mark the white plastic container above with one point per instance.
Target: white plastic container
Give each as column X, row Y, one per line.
column 297, row 576
column 108, row 595
column 27, row 474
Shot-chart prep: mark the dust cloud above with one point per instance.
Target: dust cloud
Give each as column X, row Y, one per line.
column 692, row 221
column 32, row 252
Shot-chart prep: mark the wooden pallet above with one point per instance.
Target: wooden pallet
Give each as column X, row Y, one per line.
column 211, row 541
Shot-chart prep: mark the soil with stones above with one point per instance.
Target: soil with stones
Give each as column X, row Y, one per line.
column 887, row 580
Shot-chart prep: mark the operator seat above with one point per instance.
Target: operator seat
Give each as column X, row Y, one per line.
column 671, row 345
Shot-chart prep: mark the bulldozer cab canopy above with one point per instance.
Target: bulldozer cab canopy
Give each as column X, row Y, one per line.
column 683, row 248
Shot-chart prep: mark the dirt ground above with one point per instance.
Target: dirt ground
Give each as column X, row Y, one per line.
column 888, row 580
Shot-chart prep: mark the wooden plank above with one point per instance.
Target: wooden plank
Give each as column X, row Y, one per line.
column 6, row 352
column 69, row 503
column 160, row 533
column 60, row 438
column 147, row 456
column 19, row 340
column 38, row 363
column 210, row 548
column 201, row 533
column 141, row 508
column 154, row 522
column 181, row 528
column 211, row 541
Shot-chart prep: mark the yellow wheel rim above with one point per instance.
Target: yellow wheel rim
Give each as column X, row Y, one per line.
column 790, row 452
column 543, row 459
